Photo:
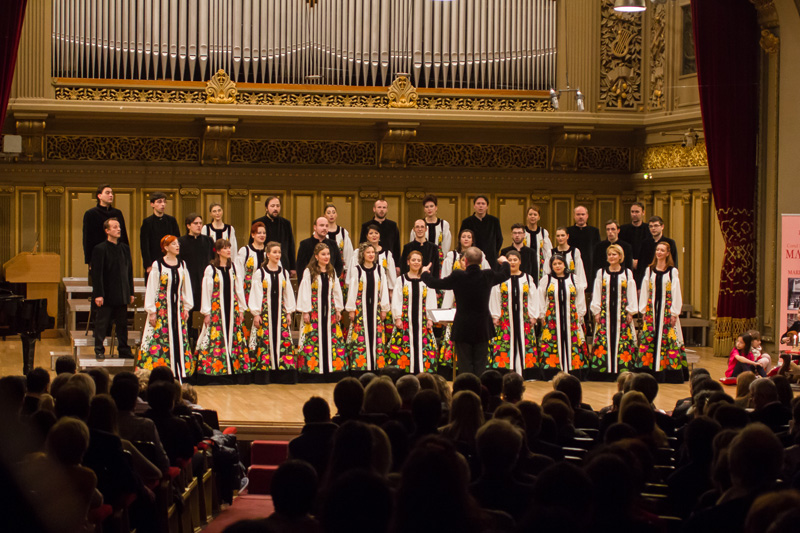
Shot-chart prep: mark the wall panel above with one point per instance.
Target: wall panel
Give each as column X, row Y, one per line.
column 510, row 210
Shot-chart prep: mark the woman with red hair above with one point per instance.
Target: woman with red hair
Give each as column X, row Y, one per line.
column 251, row 257
column 168, row 301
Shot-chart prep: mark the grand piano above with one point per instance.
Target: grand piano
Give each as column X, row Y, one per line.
column 26, row 318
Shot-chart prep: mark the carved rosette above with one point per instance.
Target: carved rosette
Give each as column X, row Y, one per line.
column 220, row 89
column 769, row 42
column 402, row 94
column 620, row 59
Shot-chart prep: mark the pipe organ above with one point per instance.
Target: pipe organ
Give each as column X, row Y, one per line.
column 477, row 44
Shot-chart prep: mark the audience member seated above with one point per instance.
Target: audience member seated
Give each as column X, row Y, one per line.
column 469, row 382
column 640, row 417
column 533, row 416
column 767, row 509
column 691, row 480
column 562, row 413
column 499, row 444
column 66, row 364
column 407, row 387
column 294, row 491
column 755, row 457
column 618, row 431
column 492, row 380
column 680, row 413
column 381, row 451
column 398, row 440
column 348, row 397
column 381, row 402
column 314, row 443
column 766, row 407
column 785, row 392
column 125, row 391
column 647, row 385
column 622, row 378
column 571, row 386
column 366, row 378
column 513, row 387
column 427, row 412
column 743, row 382
column 791, row 462
column 62, row 490
column 529, row 464
column 352, row 448
column 174, row 432
column 101, row 378
column 729, row 416
column 466, row 417
column 37, row 382
column 59, row 381
column 374, row 504
column 561, row 503
column 446, row 395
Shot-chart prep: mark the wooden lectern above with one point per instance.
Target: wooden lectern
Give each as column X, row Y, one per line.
column 41, row 273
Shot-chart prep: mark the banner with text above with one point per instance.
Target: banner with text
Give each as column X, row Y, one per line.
column 790, row 271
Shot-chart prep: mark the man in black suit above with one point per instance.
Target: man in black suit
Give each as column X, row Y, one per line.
column 472, row 327
column 530, row 261
column 648, row 249
column 486, row 231
column 421, row 244
column 93, row 219
column 154, row 227
column 306, row 250
column 600, row 249
column 279, row 230
column 390, row 234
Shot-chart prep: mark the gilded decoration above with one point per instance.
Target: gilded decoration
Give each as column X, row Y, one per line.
column 658, row 23
column 604, row 158
column 328, row 153
column 260, row 97
column 54, row 190
column 90, row 148
column 189, row 192
column 220, row 89
column 738, row 266
column 402, row 94
column 620, row 59
column 476, row 156
column 666, row 156
column 769, row 42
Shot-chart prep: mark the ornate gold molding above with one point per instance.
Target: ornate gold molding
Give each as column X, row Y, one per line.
column 369, row 195
column 658, row 24
column 540, row 198
column 54, row 190
column 415, row 196
column 96, row 148
column 604, row 158
column 238, row 193
column 476, row 156
column 6, row 189
column 769, row 42
column 32, row 132
column 189, row 192
column 620, row 59
column 394, row 143
column 221, row 89
column 402, row 94
column 667, row 156
column 328, row 153
column 217, row 142
column 294, row 98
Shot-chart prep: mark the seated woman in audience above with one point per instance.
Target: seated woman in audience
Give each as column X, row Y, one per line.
column 466, row 417
column 272, row 303
column 413, row 346
column 252, row 256
column 741, row 359
column 217, row 229
column 614, row 304
column 368, row 304
column 661, row 350
column 321, row 349
column 454, row 261
column 562, row 306
column 743, row 382
column 168, row 302
column 514, row 305
column 222, row 347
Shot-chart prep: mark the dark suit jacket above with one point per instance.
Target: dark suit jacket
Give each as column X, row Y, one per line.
column 471, row 288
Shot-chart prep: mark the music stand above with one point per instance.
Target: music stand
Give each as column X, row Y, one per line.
column 445, row 317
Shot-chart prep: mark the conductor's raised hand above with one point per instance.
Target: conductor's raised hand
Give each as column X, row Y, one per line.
column 502, row 259
column 426, row 268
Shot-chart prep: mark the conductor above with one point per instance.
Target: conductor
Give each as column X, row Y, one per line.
column 472, row 326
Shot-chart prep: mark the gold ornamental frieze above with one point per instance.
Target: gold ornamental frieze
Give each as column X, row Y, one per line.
column 313, row 153
column 502, row 156
column 101, row 148
column 669, row 156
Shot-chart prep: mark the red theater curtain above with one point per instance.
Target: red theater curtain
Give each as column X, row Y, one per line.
column 726, row 37
column 10, row 30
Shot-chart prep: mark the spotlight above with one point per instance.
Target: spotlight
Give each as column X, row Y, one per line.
column 554, row 99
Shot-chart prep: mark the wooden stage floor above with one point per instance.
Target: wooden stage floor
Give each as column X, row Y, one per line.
column 279, row 406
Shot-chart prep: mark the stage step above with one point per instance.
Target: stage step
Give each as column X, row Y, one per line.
column 112, row 364
column 80, row 339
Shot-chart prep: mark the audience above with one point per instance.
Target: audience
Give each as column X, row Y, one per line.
column 66, row 364
column 388, row 462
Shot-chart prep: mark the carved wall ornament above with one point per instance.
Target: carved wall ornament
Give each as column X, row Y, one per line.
column 620, row 59
column 369, row 195
column 604, row 158
column 54, row 190
column 216, row 143
column 769, row 42
column 415, row 196
column 394, row 143
column 476, row 156
column 402, row 94
column 328, row 153
column 97, row 148
column 6, row 189
column 658, row 24
column 220, row 89
column 667, row 156
column 189, row 192
column 238, row 193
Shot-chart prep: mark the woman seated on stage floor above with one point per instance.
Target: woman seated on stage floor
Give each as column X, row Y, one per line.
column 321, row 350
column 222, row 350
column 413, row 346
column 272, row 303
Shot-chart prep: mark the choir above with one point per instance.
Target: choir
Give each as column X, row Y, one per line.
column 540, row 314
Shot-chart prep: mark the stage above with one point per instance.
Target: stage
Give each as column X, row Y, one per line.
column 275, row 411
